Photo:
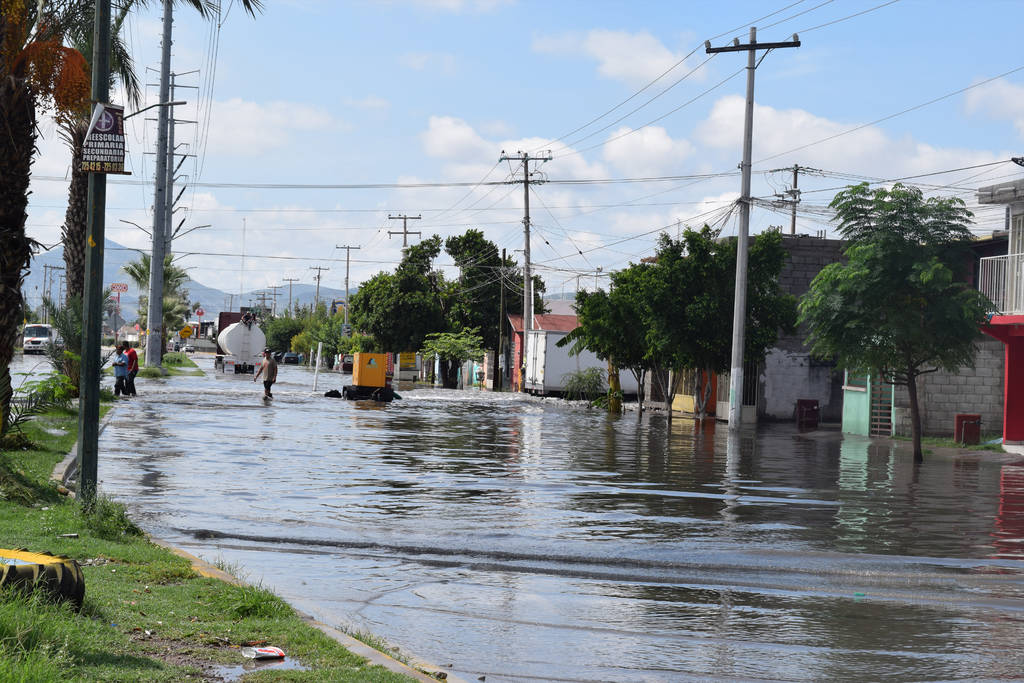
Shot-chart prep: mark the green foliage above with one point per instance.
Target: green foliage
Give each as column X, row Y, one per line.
column 178, row 359
column 280, row 331
column 37, row 396
column 359, row 343
column 454, row 346
column 584, row 385
column 109, row 520
column 899, row 306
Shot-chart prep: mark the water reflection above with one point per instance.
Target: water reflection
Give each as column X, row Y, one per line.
column 523, row 539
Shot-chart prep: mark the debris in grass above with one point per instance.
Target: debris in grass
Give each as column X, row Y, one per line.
column 268, row 652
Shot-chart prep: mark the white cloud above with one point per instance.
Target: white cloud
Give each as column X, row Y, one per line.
column 633, row 58
column 369, row 102
column 646, row 152
column 243, row 128
column 438, row 62
column 448, row 137
column 1000, row 100
column 777, row 131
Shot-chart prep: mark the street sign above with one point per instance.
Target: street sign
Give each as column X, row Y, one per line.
column 186, row 332
column 103, row 149
column 200, row 312
column 119, row 287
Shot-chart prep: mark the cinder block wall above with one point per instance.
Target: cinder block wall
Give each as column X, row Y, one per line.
column 944, row 394
column 789, row 373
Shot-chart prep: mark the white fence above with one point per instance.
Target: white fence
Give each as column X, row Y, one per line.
column 1001, row 279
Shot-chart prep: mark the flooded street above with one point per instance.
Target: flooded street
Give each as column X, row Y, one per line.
column 530, row 540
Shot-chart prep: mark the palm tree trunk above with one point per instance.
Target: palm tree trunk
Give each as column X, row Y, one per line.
column 17, row 145
column 73, row 234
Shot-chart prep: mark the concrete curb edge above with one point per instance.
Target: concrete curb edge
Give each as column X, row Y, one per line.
column 376, row 657
column 67, row 468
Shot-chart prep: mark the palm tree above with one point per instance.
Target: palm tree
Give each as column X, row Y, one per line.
column 73, row 126
column 174, row 293
column 35, row 70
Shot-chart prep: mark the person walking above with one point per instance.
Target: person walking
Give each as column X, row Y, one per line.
column 120, row 371
column 268, row 368
column 133, row 368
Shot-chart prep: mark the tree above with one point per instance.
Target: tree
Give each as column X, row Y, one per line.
column 899, row 307
column 175, row 304
column 400, row 309
column 280, row 331
column 36, row 70
column 453, row 349
column 482, row 274
column 73, row 125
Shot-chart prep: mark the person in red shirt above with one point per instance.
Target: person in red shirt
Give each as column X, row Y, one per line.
column 133, row 369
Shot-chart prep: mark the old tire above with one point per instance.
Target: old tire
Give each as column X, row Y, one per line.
column 59, row 576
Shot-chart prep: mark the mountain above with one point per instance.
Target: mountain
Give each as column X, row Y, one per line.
column 115, row 256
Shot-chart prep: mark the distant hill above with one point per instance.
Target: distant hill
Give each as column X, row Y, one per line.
column 115, row 256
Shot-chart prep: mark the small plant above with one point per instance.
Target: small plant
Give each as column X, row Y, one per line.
column 253, row 601
column 584, row 385
column 38, row 396
column 109, row 520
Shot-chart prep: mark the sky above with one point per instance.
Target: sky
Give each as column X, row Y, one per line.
column 292, row 113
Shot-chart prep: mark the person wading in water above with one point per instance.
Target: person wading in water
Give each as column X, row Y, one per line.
column 268, row 368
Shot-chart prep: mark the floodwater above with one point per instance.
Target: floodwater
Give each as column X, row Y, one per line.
column 532, row 540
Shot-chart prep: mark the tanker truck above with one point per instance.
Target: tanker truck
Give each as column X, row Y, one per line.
column 242, row 343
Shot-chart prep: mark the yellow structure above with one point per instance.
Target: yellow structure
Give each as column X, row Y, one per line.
column 369, row 369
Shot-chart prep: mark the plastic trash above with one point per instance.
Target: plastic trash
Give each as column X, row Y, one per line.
column 268, row 652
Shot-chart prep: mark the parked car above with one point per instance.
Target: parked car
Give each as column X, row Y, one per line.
column 290, row 358
column 346, row 363
column 189, row 348
column 278, row 356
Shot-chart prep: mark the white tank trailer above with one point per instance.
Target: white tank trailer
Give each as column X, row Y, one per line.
column 244, row 343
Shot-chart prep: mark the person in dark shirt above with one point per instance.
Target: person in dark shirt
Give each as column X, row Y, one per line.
column 268, row 368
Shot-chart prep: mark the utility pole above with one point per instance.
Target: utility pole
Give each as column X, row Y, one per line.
column 739, row 312
column 527, row 278
column 290, row 280
column 275, row 295
column 348, row 251
column 92, row 305
column 501, row 325
column 316, row 298
column 154, row 318
column 404, row 232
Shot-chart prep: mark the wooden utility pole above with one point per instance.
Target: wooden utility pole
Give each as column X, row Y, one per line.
column 274, row 293
column 739, row 313
column 527, row 278
column 348, row 251
column 404, row 232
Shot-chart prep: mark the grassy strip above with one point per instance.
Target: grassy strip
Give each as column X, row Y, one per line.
column 147, row 615
column 174, row 364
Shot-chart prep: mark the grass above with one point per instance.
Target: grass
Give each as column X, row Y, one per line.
column 942, row 442
column 147, row 615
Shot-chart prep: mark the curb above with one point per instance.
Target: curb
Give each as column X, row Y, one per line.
column 67, row 468
column 375, row 657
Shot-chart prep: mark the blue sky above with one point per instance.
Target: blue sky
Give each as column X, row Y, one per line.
column 431, row 91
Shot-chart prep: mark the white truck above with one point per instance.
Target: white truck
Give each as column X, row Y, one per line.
column 243, row 343
column 37, row 338
column 547, row 365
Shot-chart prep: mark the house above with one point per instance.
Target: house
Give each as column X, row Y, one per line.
column 545, row 363
column 1001, row 278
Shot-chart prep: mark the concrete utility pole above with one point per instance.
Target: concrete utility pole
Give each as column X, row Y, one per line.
column 319, row 270
column 404, row 232
column 501, row 325
column 290, row 280
column 155, row 315
column 739, row 313
column 527, row 278
column 274, row 294
column 348, row 251
column 92, row 308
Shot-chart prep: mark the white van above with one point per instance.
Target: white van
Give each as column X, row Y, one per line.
column 38, row 337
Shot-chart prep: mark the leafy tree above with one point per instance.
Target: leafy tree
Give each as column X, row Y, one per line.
column 900, row 306
column 453, row 349
column 279, row 332
column 399, row 309
column 482, row 274
column 358, row 343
